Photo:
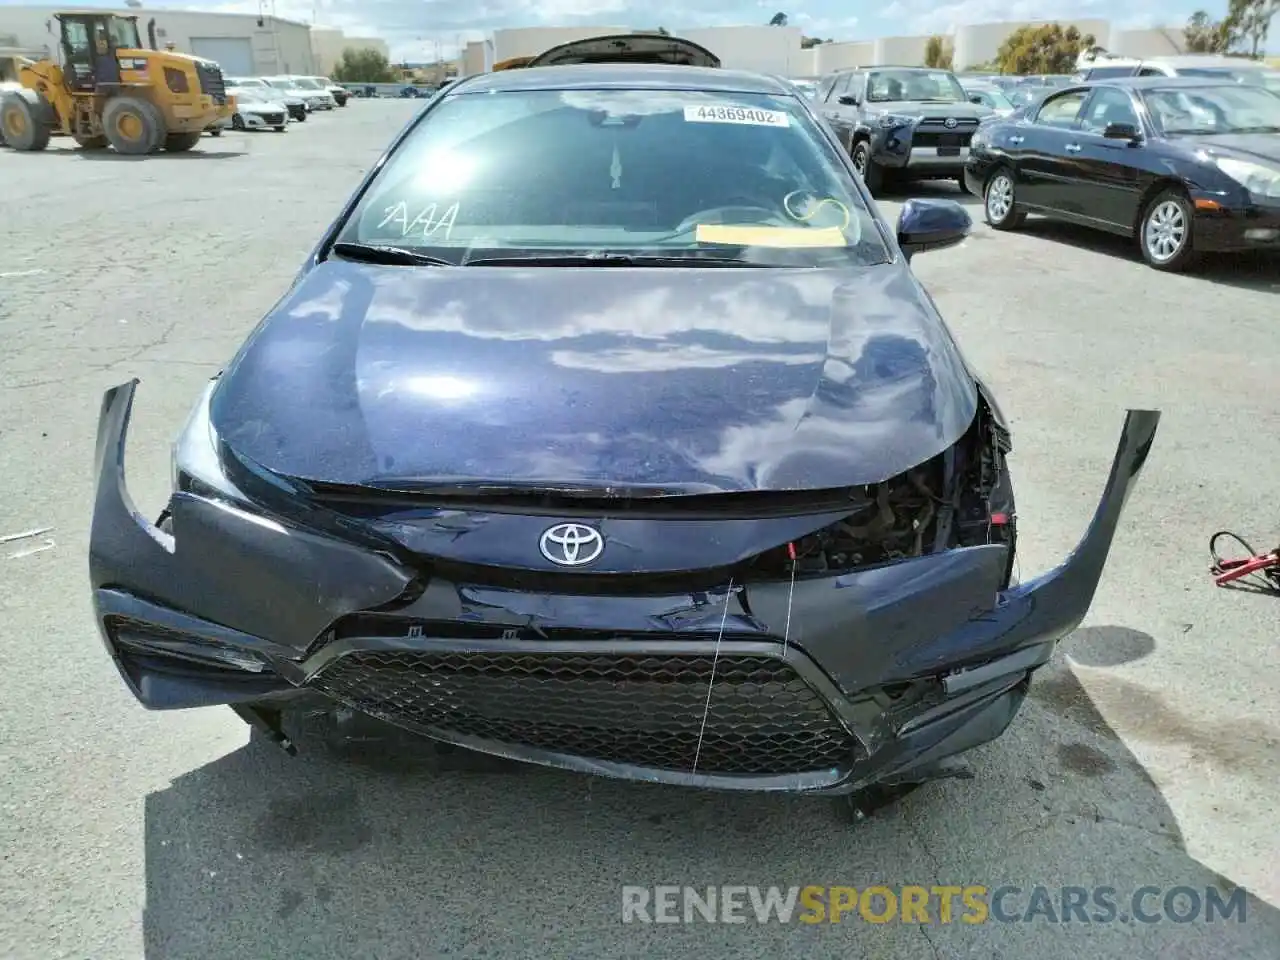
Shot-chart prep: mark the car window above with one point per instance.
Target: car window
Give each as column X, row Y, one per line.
column 1270, row 79
column 1104, row 73
column 838, row 88
column 77, row 37
column 993, row 99
column 1062, row 110
column 528, row 172
column 1218, row 109
column 825, row 87
column 1150, row 72
column 1108, row 105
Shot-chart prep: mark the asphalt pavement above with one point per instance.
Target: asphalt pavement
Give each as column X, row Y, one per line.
column 1147, row 755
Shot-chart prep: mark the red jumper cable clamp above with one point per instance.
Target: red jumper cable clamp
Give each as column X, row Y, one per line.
column 1266, row 566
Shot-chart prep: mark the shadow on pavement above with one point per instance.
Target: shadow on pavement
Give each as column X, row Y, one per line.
column 930, row 190
column 197, row 154
column 1249, row 271
column 262, row 855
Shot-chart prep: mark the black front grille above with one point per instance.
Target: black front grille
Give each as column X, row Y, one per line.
column 925, row 138
column 272, row 119
column 643, row 710
column 211, row 82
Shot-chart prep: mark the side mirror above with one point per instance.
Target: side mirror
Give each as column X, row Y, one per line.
column 849, row 101
column 1122, row 131
column 931, row 225
column 976, row 99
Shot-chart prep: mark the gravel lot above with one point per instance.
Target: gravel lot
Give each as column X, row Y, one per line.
column 1148, row 754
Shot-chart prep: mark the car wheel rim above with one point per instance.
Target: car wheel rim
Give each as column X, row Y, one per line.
column 999, row 198
column 1166, row 231
column 860, row 161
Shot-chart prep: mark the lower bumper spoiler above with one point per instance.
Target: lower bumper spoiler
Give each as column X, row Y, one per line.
column 235, row 607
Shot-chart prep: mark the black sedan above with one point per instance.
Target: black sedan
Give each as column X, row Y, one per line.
column 566, row 449
column 1185, row 166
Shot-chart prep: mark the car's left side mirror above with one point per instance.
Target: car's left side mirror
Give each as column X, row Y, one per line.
column 1122, row 131
column 976, row 99
column 931, row 225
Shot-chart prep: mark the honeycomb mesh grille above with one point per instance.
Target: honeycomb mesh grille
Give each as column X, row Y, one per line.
column 763, row 719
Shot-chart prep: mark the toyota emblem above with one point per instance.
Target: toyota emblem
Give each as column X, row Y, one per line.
column 571, row 544
column 950, row 123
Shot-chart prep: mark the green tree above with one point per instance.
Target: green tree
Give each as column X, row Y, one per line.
column 938, row 53
column 363, row 66
column 1205, row 35
column 779, row 20
column 1049, row 48
column 808, row 43
column 1249, row 22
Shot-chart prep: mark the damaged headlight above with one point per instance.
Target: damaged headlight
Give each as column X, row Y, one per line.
column 195, row 464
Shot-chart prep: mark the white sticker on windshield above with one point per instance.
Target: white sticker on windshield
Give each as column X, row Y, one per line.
column 729, row 114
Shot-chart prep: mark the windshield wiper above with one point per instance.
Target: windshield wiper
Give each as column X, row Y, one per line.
column 609, row 260
column 394, row 256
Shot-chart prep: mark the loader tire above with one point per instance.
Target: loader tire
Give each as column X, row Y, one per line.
column 181, row 142
column 26, row 120
column 134, row 127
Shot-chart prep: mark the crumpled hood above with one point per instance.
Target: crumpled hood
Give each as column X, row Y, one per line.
column 718, row 379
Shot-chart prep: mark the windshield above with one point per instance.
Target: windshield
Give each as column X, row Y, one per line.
column 1253, row 76
column 551, row 172
column 306, row 84
column 992, row 98
column 1213, row 110
column 896, row 85
column 244, row 83
column 124, row 34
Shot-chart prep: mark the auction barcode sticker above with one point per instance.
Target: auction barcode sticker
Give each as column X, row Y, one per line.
column 729, row 114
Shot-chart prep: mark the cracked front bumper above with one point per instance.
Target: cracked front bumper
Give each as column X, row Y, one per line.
column 870, row 677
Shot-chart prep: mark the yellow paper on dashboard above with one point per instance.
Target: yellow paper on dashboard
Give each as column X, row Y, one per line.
column 754, row 236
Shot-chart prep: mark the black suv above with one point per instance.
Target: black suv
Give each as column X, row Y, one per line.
column 908, row 122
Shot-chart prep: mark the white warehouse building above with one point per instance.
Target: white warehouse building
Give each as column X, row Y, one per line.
column 327, row 44
column 243, row 44
column 778, row 49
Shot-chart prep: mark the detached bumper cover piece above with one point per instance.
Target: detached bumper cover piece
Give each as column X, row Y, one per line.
column 883, row 674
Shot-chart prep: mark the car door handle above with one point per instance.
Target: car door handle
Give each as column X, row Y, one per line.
column 1016, row 139
column 1073, row 148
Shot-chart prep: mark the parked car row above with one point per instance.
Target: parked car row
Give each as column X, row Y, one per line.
column 1185, row 165
column 1185, row 158
column 271, row 103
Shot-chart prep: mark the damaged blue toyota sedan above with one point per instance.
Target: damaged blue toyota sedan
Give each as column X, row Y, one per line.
column 606, row 429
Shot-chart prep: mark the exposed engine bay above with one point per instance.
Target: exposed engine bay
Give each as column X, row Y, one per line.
column 960, row 498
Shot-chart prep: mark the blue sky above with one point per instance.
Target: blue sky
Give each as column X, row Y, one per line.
column 415, row 29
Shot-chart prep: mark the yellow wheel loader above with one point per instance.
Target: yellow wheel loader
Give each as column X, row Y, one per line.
column 110, row 90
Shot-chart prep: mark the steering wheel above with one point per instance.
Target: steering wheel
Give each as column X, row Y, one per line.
column 732, row 213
